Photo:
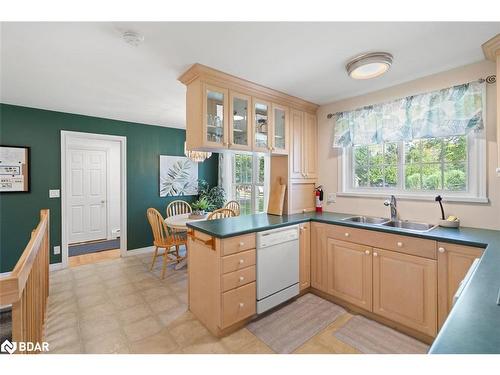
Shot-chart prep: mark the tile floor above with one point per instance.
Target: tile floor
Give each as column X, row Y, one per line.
column 118, row 306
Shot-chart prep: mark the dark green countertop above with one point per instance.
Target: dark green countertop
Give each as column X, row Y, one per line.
column 473, row 325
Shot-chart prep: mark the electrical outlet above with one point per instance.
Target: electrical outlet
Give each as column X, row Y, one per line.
column 332, row 197
column 57, row 250
column 54, row 193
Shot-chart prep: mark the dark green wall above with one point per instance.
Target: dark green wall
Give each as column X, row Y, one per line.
column 40, row 130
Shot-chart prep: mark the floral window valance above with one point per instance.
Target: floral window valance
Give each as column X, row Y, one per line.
column 452, row 111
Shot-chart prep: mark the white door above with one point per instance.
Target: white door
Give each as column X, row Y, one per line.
column 87, row 195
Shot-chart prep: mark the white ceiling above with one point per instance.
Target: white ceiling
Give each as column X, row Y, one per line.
column 87, row 68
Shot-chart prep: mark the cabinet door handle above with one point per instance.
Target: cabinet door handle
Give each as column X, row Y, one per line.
column 242, row 278
column 241, row 261
column 441, row 250
column 367, row 252
column 346, row 234
column 400, row 244
column 242, row 244
column 375, row 254
column 241, row 304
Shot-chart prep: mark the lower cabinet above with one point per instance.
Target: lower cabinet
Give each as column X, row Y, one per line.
column 349, row 272
column 405, row 289
column 305, row 256
column 319, row 265
column 453, row 263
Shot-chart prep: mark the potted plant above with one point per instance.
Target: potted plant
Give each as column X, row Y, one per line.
column 200, row 207
column 215, row 195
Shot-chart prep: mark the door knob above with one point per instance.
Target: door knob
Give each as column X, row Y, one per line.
column 367, row 252
column 241, row 304
column 375, row 254
column 241, row 261
column 242, row 278
column 441, row 250
column 242, row 244
column 346, row 234
column 400, row 244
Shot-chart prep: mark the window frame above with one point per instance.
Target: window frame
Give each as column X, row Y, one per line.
column 255, row 180
column 476, row 176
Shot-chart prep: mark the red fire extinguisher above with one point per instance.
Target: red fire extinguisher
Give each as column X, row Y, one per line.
column 319, row 198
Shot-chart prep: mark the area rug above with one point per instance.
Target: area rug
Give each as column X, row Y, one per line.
column 371, row 337
column 93, row 247
column 291, row 326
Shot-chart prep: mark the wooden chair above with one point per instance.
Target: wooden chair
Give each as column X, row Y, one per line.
column 221, row 214
column 179, row 207
column 235, row 206
column 163, row 239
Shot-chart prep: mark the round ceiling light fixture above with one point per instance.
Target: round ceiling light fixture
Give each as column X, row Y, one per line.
column 133, row 38
column 369, row 65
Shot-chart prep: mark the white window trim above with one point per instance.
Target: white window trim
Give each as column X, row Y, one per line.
column 477, row 178
column 226, row 175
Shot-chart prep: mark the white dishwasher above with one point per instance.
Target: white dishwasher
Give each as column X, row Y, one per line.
column 277, row 266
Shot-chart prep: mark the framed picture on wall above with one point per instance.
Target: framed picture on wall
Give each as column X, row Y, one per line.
column 14, row 169
column 178, row 176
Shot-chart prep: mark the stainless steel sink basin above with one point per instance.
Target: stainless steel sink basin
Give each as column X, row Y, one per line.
column 366, row 219
column 410, row 225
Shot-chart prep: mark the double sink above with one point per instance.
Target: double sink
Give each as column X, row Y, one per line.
column 403, row 224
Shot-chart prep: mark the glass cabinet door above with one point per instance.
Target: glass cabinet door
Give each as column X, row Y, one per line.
column 215, row 115
column 280, row 129
column 261, row 126
column 239, row 122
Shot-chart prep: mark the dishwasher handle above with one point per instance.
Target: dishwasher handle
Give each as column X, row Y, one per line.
column 466, row 280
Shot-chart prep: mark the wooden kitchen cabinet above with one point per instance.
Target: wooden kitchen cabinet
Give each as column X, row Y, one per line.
column 280, row 130
column 319, row 265
column 301, row 197
column 262, row 125
column 305, row 256
column 240, row 121
column 349, row 272
column 303, row 150
column 453, row 263
column 405, row 290
column 215, row 116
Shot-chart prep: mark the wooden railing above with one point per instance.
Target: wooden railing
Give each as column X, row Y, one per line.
column 27, row 286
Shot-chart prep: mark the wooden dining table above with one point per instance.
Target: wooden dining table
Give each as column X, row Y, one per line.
column 179, row 222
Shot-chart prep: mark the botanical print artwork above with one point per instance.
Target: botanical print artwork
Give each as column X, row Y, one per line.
column 453, row 111
column 178, row 176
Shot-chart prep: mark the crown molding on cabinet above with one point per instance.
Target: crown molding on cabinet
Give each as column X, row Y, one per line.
column 491, row 48
column 217, row 77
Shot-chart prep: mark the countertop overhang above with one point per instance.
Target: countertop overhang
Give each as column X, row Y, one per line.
column 473, row 325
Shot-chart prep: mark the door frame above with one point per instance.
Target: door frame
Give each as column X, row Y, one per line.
column 67, row 136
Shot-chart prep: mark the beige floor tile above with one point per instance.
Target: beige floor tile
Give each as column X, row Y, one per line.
column 142, row 328
column 161, row 342
column 168, row 316
column 92, row 299
column 71, row 348
column 102, row 309
column 98, row 326
column 206, row 348
column 59, row 338
column 155, row 293
column 128, row 300
column 116, row 282
column 163, row 303
column 255, row 347
column 312, row 347
column 190, row 332
column 238, row 340
column 134, row 313
column 107, row 343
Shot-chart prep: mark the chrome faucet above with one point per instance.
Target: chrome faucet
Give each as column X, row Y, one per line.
column 394, row 211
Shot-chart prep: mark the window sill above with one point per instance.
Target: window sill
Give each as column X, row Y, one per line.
column 415, row 197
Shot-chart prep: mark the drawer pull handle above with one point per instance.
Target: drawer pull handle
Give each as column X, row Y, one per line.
column 441, row 250
column 375, row 254
column 367, row 252
column 346, row 234
column 241, row 261
column 241, row 305
column 400, row 244
column 242, row 243
column 242, row 278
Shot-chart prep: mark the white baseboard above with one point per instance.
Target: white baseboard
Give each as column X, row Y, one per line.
column 140, row 250
column 55, row 266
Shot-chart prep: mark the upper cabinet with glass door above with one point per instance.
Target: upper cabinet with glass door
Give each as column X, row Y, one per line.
column 215, row 124
column 280, row 130
column 261, row 126
column 239, row 122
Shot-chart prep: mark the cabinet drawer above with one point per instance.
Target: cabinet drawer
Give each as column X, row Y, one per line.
column 238, row 278
column 238, row 261
column 402, row 244
column 236, row 244
column 238, row 304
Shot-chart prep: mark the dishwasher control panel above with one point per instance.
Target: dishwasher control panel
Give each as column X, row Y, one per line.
column 277, row 236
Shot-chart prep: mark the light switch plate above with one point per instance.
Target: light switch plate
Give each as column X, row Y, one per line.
column 54, row 193
column 57, row 250
column 332, row 197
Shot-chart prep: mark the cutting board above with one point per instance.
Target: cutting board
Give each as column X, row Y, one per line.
column 276, row 199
